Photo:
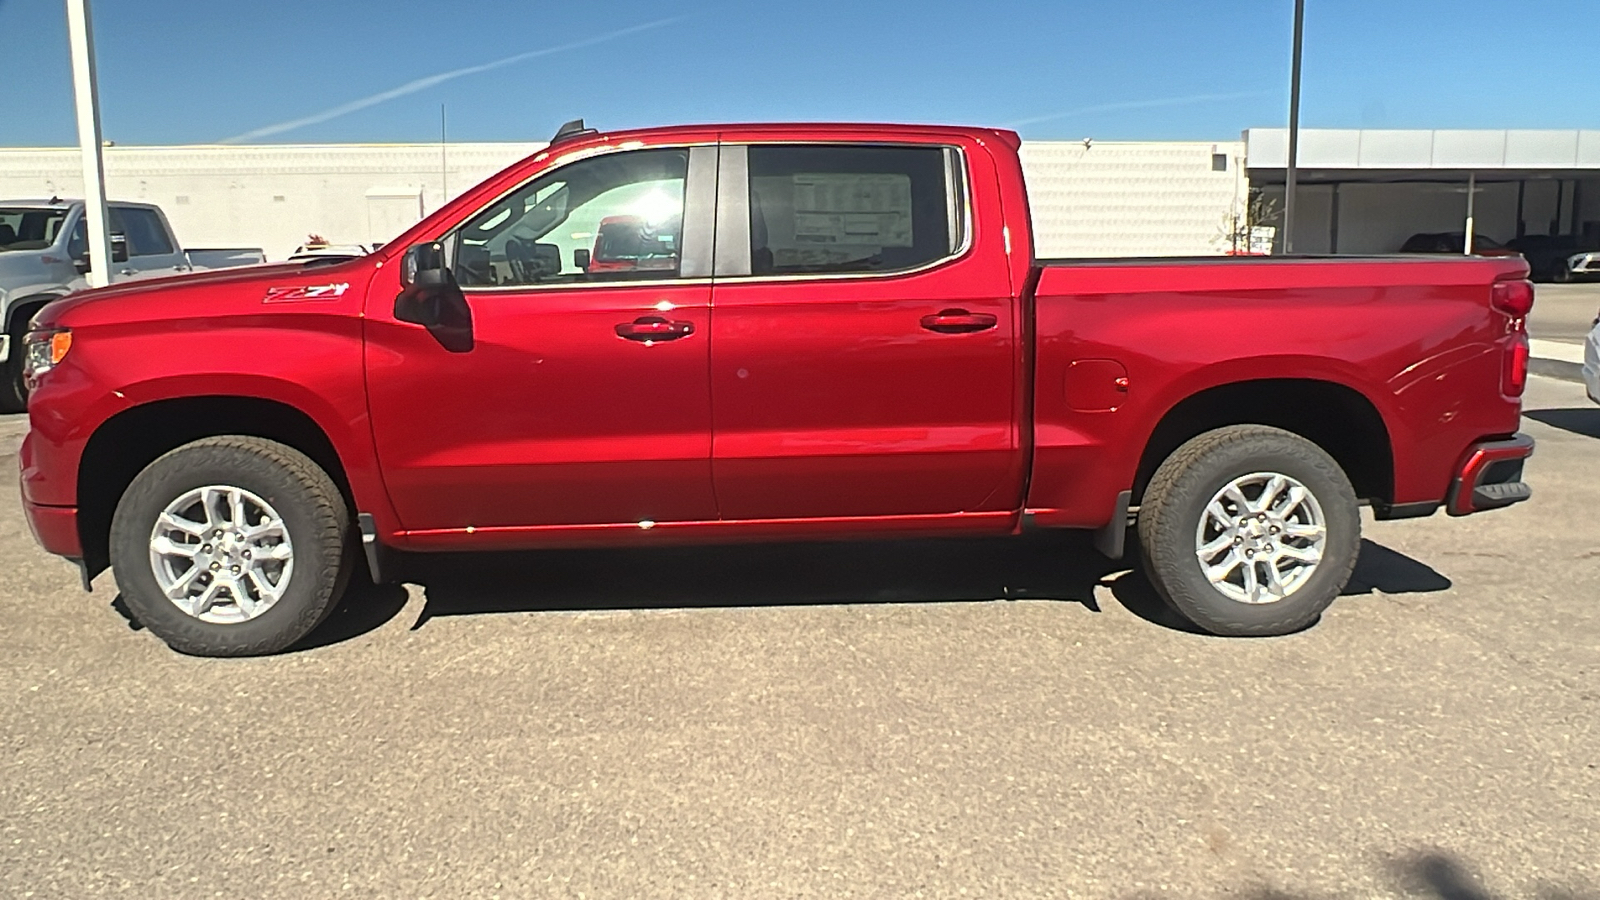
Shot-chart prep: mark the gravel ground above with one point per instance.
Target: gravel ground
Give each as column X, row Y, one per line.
column 917, row 719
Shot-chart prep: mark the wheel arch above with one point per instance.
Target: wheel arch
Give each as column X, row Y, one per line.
column 30, row 304
column 124, row 444
column 1340, row 419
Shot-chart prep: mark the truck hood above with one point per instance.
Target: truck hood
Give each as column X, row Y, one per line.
column 199, row 294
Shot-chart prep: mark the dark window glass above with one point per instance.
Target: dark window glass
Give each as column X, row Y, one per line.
column 144, row 231
column 29, row 229
column 615, row 217
column 1219, row 162
column 78, row 244
column 851, row 210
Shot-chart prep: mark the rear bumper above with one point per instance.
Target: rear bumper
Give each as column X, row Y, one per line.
column 55, row 528
column 1490, row 477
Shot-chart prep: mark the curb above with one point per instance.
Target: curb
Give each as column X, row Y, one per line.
column 1556, row 359
column 1556, row 368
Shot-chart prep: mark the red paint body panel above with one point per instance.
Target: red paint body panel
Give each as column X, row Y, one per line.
column 779, row 407
column 832, row 398
column 1417, row 339
column 55, row 528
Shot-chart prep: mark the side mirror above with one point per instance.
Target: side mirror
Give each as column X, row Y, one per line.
column 580, row 260
column 430, row 297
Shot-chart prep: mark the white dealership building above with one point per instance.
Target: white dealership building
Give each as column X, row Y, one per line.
column 1360, row 191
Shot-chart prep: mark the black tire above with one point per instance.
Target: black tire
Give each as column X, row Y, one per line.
column 312, row 509
column 1177, row 497
column 13, row 390
column 1563, row 274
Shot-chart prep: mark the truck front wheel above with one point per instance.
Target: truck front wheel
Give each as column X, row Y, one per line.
column 1249, row 530
column 231, row 546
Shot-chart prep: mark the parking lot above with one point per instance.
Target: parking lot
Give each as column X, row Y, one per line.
column 938, row 719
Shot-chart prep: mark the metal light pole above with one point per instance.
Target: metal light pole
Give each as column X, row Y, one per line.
column 1294, row 129
column 86, row 94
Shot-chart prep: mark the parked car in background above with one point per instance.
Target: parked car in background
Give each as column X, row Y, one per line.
column 1454, row 242
column 322, row 252
column 1559, row 258
column 44, row 255
column 887, row 357
column 632, row 244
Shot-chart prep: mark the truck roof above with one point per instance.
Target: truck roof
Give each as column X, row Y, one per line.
column 842, row 129
column 68, row 202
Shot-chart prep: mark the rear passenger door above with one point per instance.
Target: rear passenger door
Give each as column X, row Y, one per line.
column 151, row 250
column 864, row 342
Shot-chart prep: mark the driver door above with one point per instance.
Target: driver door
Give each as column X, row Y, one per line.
column 584, row 398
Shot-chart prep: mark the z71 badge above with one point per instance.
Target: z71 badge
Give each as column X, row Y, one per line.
column 310, row 292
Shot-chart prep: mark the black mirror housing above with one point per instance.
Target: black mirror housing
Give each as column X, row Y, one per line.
column 430, row 297
column 580, row 259
column 418, row 261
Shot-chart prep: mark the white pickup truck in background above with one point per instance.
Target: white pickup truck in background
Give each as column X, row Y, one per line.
column 44, row 254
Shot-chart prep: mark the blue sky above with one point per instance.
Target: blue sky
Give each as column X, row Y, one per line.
column 176, row 71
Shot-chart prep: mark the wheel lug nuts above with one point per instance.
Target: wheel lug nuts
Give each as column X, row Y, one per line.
column 216, row 567
column 1248, row 554
column 1276, row 529
column 1269, row 548
column 235, row 570
column 206, row 548
column 1238, row 540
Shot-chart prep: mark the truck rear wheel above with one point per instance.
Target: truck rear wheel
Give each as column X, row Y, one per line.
column 231, row 546
column 1250, row 530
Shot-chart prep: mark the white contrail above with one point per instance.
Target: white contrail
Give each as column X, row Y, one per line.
column 412, row 87
column 1138, row 104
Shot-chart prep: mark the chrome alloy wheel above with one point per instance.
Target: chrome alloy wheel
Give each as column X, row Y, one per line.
column 1261, row 538
column 221, row 554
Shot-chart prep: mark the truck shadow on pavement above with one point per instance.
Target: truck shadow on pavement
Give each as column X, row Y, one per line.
column 1437, row 875
column 1060, row 567
column 1578, row 420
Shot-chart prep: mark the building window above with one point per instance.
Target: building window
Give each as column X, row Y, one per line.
column 1219, row 162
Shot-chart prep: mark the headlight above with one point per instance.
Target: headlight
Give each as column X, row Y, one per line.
column 43, row 350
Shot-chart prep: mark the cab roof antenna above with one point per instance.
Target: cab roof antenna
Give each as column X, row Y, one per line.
column 572, row 131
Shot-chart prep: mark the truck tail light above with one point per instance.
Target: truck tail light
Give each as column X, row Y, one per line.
column 1514, row 298
column 1514, row 380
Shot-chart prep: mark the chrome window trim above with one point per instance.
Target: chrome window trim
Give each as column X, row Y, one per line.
column 451, row 238
column 580, row 285
column 955, row 155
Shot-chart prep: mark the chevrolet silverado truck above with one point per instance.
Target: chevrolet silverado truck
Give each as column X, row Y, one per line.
column 854, row 338
column 44, row 254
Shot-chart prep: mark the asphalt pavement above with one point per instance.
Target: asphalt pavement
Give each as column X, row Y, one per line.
column 1564, row 312
column 914, row 719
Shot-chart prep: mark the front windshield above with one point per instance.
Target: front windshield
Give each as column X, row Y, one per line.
column 25, row 228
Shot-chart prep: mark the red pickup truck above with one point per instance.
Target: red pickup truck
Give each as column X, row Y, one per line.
column 852, row 337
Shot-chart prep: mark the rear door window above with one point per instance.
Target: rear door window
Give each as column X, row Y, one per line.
column 143, row 229
column 852, row 209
